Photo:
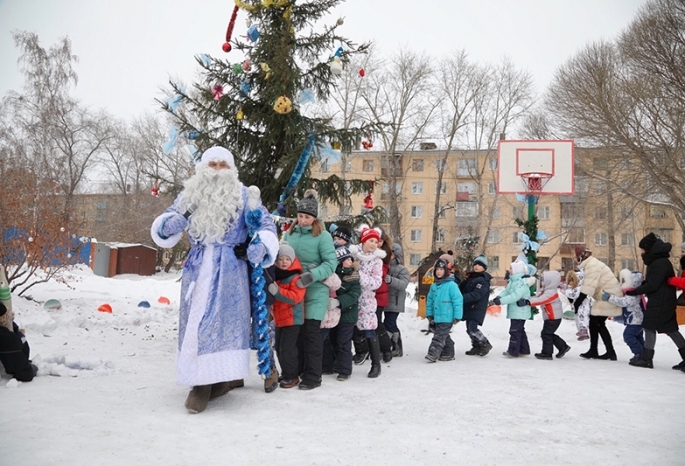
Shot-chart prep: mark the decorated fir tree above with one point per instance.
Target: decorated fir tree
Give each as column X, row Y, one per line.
column 258, row 100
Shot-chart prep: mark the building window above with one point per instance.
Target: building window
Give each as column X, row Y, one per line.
column 443, row 187
column 414, row 259
column 493, row 237
column 417, row 165
column 581, row 184
column 466, row 187
column 367, row 165
column 442, row 213
column 627, row 239
column 441, row 236
column 600, row 163
column 493, row 263
column 101, row 215
column 347, row 166
column 466, row 167
column 543, row 212
column 492, row 188
column 416, row 211
column 601, row 213
column 440, row 165
column 492, row 163
column 601, row 239
column 657, row 211
column 664, row 234
column 567, row 264
column 324, row 166
column 543, row 263
column 626, row 213
column 517, row 212
column 600, row 187
column 628, row 264
column 466, row 209
column 576, row 236
column 494, row 212
column 417, row 187
column 416, row 236
column 323, row 211
column 516, row 238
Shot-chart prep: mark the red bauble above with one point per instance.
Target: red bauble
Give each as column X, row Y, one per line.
column 226, row 47
column 362, row 73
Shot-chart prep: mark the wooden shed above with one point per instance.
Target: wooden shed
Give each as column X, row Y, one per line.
column 118, row 258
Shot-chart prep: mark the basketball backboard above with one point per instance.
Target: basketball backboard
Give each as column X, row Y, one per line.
column 546, row 166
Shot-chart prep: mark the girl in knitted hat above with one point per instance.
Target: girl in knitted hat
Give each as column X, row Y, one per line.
column 370, row 259
column 516, row 289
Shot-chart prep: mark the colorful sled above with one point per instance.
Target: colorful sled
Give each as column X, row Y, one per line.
column 105, row 308
column 52, row 305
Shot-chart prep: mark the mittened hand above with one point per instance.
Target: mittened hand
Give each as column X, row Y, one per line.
column 388, row 279
column 522, row 302
column 496, row 301
column 456, row 321
column 430, row 319
column 333, row 303
column 273, row 288
column 605, row 296
column 256, row 253
column 173, row 225
column 305, row 280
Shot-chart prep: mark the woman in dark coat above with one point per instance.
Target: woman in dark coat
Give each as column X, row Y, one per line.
column 660, row 314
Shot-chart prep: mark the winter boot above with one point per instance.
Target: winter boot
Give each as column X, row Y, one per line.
column 271, row 382
column 375, row 351
column 608, row 344
column 361, row 347
column 474, row 351
column 484, row 349
column 397, row 350
column 590, row 354
column 563, row 351
column 681, row 365
column 645, row 360
column 610, row 355
column 385, row 344
column 198, row 398
column 582, row 334
column 544, row 356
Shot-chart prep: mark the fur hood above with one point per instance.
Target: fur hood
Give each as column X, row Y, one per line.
column 630, row 280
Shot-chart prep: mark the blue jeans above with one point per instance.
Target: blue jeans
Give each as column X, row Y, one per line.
column 390, row 321
column 634, row 338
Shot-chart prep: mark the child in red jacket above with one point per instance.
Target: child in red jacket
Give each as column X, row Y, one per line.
column 288, row 312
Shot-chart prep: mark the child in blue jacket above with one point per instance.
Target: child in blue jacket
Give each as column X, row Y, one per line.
column 516, row 289
column 444, row 307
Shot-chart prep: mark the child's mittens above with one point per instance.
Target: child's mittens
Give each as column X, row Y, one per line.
column 333, row 303
column 430, row 319
column 256, row 252
column 605, row 296
column 522, row 302
column 305, row 280
column 496, row 301
column 273, row 288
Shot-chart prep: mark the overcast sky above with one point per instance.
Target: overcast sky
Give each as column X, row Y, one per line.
column 128, row 49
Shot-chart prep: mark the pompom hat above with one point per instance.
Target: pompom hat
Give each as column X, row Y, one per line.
column 309, row 205
column 369, row 233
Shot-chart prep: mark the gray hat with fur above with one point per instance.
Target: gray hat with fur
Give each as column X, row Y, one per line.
column 309, row 205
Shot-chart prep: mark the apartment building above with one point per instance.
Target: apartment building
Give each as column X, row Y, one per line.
column 599, row 215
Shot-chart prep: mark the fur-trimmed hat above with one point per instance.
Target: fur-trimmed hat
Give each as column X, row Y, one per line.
column 309, row 205
column 343, row 233
column 284, row 249
column 648, row 241
column 482, row 260
column 218, row 153
column 342, row 253
column 368, row 233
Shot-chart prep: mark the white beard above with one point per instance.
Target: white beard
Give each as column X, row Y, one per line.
column 214, row 197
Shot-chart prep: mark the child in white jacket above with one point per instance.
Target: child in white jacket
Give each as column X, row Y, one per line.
column 574, row 282
column 633, row 311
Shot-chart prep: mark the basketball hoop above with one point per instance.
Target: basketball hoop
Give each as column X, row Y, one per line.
column 534, row 182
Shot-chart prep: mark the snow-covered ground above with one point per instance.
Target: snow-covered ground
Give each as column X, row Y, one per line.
column 106, row 395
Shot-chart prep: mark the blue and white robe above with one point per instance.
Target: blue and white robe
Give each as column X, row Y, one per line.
column 214, row 314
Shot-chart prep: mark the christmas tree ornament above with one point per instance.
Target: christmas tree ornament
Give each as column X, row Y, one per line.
column 362, row 73
column 368, row 199
column 237, row 69
column 240, row 115
column 155, row 189
column 168, row 146
column 245, row 88
column 252, row 33
column 336, row 145
column 248, row 22
column 266, row 69
column 247, row 65
column 336, row 66
column 229, row 31
column 218, row 92
column 192, row 135
column 306, row 96
column 283, row 105
column 367, row 144
column 205, row 59
column 299, row 168
column 340, row 21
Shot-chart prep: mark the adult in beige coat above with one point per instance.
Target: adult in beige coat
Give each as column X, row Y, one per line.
column 598, row 278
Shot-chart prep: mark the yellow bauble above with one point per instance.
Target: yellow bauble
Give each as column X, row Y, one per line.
column 240, row 115
column 283, row 105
